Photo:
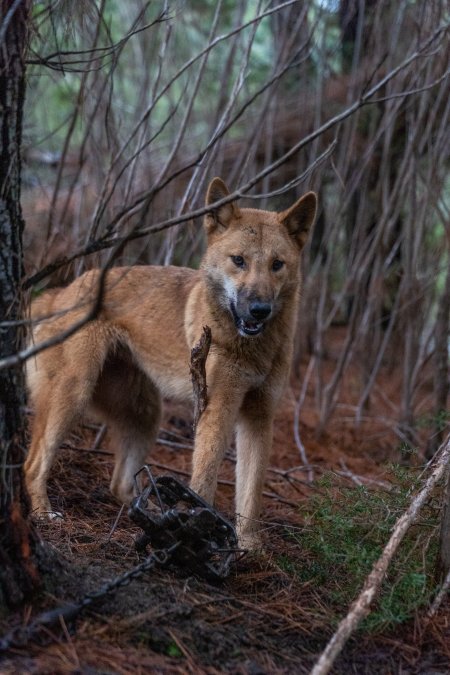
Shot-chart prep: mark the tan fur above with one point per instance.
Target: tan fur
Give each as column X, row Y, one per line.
column 137, row 351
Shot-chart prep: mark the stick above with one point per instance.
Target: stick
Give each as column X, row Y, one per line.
column 199, row 354
column 361, row 605
column 223, row 481
column 440, row 596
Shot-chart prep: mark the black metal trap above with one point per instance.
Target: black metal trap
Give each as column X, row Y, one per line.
column 173, row 515
column 182, row 529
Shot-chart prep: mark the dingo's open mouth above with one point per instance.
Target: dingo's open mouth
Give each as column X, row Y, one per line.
column 244, row 326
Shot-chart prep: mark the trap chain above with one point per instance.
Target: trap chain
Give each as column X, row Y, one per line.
column 182, row 529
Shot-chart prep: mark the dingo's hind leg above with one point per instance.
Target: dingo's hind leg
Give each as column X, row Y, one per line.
column 130, row 404
column 61, row 390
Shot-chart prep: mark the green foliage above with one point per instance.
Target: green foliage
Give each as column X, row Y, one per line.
column 438, row 421
column 407, row 451
column 345, row 532
column 173, row 650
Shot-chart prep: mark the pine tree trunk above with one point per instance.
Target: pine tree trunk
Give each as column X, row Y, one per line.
column 18, row 573
column 443, row 560
column 441, row 370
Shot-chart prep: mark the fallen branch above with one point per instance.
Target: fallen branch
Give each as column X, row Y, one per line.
column 223, row 481
column 361, row 605
column 346, row 473
column 437, row 602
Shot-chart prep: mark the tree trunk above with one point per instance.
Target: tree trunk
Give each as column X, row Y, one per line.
column 441, row 395
column 443, row 561
column 18, row 573
column 441, row 354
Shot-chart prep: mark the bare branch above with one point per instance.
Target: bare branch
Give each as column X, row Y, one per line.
column 107, row 242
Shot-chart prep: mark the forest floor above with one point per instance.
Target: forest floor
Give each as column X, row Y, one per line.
column 276, row 611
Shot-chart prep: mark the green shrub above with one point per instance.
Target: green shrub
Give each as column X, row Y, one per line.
column 346, row 529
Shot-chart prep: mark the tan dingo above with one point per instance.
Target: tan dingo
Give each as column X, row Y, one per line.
column 137, row 351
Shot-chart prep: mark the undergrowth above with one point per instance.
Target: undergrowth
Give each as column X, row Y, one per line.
column 346, row 529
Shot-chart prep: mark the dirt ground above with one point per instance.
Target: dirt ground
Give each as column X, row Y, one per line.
column 261, row 619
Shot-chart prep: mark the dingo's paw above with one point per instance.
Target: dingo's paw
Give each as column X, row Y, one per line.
column 250, row 541
column 47, row 515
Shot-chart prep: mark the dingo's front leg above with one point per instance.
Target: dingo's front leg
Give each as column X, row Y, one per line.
column 213, row 436
column 254, row 433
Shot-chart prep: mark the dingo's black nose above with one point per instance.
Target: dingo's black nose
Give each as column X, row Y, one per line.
column 260, row 310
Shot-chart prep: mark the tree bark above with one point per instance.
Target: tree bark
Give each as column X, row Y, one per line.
column 18, row 573
column 441, row 390
column 443, row 561
column 441, row 354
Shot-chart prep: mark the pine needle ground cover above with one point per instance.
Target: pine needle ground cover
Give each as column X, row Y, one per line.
column 276, row 611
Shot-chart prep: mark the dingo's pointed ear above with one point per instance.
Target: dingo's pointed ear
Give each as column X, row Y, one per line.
column 219, row 218
column 299, row 218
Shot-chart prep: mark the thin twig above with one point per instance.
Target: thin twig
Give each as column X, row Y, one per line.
column 138, row 232
column 116, row 522
column 223, row 481
column 437, row 602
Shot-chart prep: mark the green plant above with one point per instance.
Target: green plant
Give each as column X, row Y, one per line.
column 438, row 421
column 173, row 650
column 346, row 531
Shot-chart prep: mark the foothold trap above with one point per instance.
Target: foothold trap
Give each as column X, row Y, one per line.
column 183, row 530
column 172, row 514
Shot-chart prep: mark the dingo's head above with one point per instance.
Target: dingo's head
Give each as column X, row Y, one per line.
column 252, row 258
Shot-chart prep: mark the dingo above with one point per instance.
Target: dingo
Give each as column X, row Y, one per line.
column 137, row 350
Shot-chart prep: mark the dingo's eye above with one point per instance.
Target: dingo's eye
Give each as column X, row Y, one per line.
column 238, row 260
column 277, row 265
